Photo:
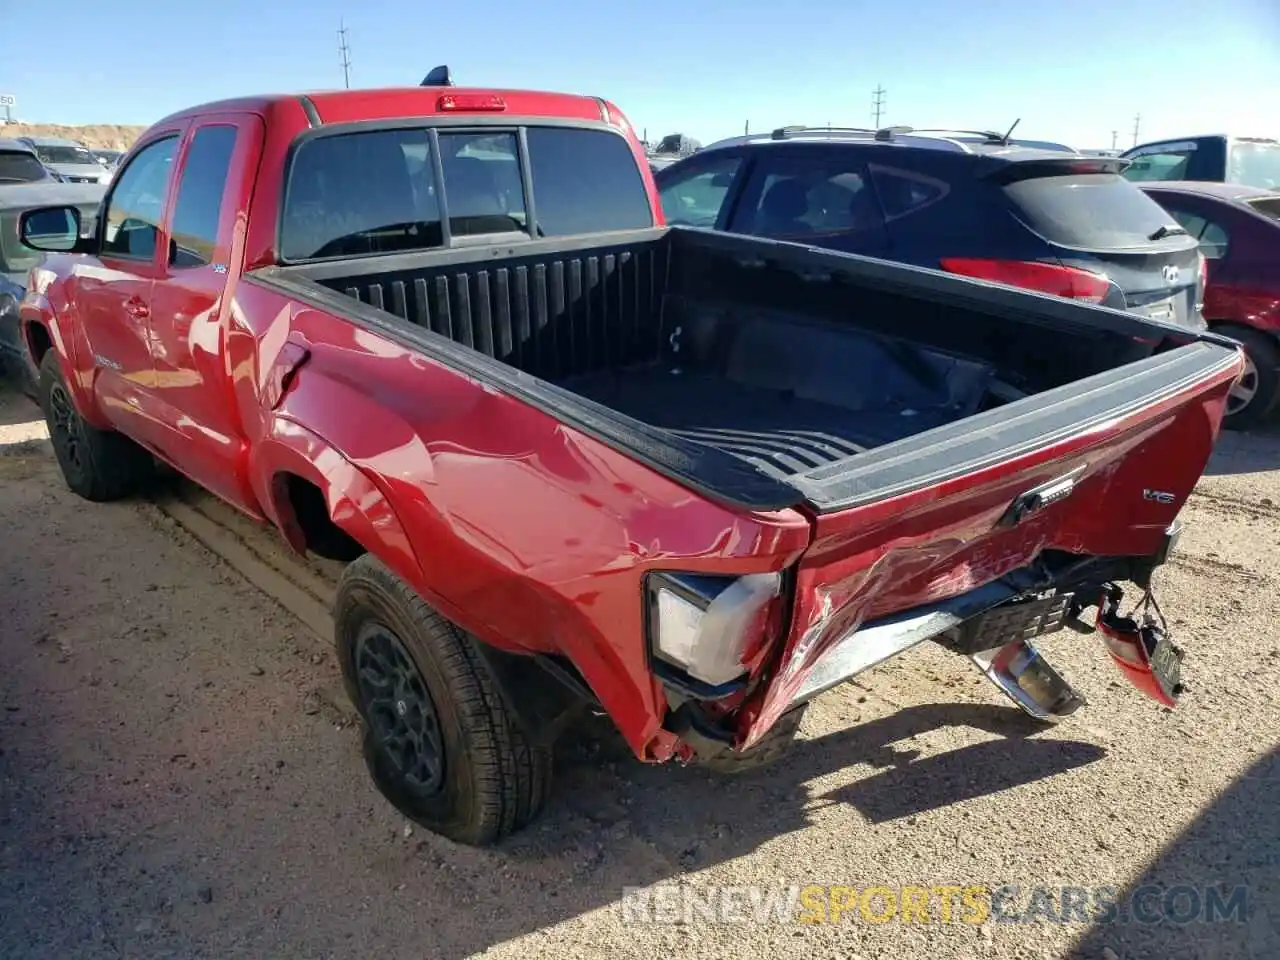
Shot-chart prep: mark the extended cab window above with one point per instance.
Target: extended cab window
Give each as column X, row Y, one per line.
column 200, row 192
column 585, row 181
column 136, row 205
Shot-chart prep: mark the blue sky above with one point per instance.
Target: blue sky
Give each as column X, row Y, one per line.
column 1073, row 70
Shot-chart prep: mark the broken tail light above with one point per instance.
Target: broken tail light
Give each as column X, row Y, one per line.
column 710, row 627
column 1142, row 650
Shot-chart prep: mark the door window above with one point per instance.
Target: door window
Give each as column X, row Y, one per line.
column 200, row 192
column 805, row 198
column 695, row 197
column 136, row 205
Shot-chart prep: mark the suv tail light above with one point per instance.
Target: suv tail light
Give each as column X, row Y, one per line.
column 1070, row 282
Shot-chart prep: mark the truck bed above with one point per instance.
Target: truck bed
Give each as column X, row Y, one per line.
column 766, row 373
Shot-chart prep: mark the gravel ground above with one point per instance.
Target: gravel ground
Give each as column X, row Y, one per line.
column 179, row 778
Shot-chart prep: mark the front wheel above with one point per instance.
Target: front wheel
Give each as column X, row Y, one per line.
column 440, row 742
column 97, row 464
column 1254, row 395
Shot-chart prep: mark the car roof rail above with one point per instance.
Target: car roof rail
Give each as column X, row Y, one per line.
column 782, row 133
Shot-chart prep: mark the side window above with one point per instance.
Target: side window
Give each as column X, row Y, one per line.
column 200, row 193
column 803, row 198
column 1171, row 165
column 903, row 191
column 482, row 187
column 1189, row 222
column 1214, row 241
column 137, row 202
column 1212, row 236
column 694, row 198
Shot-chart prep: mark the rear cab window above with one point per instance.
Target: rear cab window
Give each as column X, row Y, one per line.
column 418, row 188
column 1095, row 211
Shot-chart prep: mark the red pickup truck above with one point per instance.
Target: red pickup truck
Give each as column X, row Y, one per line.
column 576, row 459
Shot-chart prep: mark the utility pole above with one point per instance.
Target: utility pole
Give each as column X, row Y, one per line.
column 344, row 54
column 877, row 104
column 1115, row 135
column 746, row 128
column 1137, row 123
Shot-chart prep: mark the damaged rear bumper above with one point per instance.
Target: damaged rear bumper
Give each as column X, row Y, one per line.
column 993, row 626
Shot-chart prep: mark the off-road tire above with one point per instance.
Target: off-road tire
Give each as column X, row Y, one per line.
column 99, row 465
column 1265, row 357
column 494, row 780
column 773, row 747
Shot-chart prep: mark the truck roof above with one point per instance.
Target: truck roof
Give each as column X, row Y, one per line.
column 393, row 103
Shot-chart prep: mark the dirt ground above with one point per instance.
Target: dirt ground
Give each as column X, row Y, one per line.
column 178, row 777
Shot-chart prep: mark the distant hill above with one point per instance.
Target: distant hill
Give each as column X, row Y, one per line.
column 103, row 136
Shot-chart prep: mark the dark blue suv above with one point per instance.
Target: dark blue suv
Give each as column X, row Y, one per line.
column 1031, row 214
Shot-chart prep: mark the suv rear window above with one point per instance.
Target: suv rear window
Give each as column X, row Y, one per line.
column 1091, row 211
column 18, row 166
column 376, row 192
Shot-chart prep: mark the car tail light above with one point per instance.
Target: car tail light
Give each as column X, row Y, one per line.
column 471, row 102
column 710, row 626
column 1071, row 282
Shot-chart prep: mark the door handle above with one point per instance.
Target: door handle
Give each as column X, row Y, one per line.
column 136, row 308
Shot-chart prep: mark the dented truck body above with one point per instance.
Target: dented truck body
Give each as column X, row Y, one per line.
column 697, row 479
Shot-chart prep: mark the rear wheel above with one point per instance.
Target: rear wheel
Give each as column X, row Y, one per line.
column 1254, row 395
column 440, row 742
column 97, row 464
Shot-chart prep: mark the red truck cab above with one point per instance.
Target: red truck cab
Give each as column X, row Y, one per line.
column 574, row 457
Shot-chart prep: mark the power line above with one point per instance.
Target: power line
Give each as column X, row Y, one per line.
column 877, row 104
column 344, row 54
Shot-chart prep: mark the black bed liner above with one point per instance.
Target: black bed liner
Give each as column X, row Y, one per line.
column 625, row 337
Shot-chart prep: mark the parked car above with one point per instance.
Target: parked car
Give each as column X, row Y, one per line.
column 979, row 205
column 71, row 161
column 108, row 158
column 576, row 458
column 1218, row 158
column 1238, row 229
column 25, row 185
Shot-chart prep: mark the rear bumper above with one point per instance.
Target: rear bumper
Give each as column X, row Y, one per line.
column 1026, row 604
column 1041, row 599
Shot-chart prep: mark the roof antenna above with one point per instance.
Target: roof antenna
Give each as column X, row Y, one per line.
column 1011, row 129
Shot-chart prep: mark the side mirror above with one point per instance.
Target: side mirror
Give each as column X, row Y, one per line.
column 50, row 229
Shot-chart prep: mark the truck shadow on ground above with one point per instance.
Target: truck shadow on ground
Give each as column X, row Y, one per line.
column 615, row 823
column 1253, row 451
column 1232, row 845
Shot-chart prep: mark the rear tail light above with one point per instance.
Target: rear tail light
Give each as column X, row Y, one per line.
column 710, row 626
column 1070, row 282
column 471, row 102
